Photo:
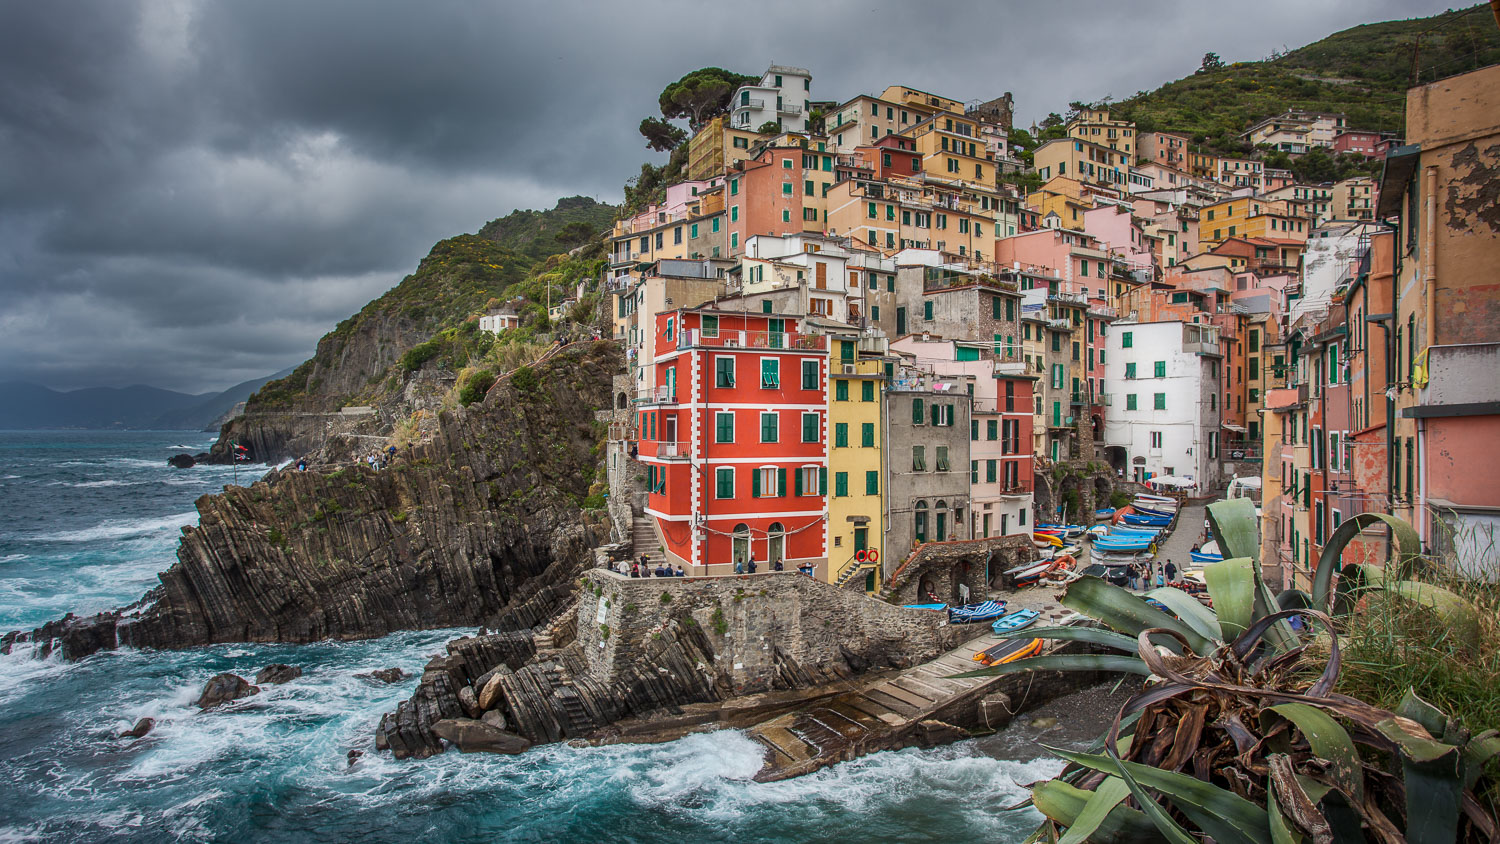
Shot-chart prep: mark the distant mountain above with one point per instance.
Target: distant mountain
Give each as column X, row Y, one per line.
column 25, row 406
column 1362, row 71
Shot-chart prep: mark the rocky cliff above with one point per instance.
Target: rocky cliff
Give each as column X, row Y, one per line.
column 482, row 525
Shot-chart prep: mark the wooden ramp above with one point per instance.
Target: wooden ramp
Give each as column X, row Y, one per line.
column 876, row 717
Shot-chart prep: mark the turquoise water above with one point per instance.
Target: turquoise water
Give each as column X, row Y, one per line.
column 86, row 522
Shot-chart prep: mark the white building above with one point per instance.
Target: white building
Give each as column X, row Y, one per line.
column 1162, row 383
column 783, row 97
column 500, row 319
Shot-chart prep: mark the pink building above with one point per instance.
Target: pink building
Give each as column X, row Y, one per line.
column 1358, row 142
column 1075, row 257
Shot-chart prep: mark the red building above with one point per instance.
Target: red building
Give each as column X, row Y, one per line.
column 734, row 441
column 892, row 155
column 764, row 195
column 1359, row 142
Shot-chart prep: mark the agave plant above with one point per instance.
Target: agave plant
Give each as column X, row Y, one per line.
column 1237, row 734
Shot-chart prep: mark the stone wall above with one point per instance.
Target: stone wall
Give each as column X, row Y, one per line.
column 937, row 568
column 766, row 631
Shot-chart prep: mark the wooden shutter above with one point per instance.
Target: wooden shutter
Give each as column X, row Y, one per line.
column 781, row 482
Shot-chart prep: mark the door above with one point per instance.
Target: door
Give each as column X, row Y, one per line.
column 861, row 539
column 942, row 525
column 900, row 322
column 820, row 275
column 775, row 544
column 987, row 524
column 777, row 336
column 1004, row 524
column 669, row 428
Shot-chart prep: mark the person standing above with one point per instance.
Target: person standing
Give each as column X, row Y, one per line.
column 1171, row 571
column 1135, row 577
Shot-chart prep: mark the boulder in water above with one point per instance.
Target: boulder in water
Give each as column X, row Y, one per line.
column 492, row 694
column 384, row 675
column 141, row 728
column 277, row 673
column 1045, row 722
column 471, row 736
column 224, row 688
column 181, row 461
column 468, row 702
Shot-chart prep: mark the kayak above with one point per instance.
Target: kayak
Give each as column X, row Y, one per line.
column 1015, row 620
column 1009, row 651
column 924, row 606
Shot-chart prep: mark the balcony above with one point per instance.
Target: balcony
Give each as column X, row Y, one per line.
column 1060, row 324
column 744, row 104
column 659, row 395
column 1071, row 298
column 789, row 109
column 1079, row 398
column 1010, row 367
column 674, row 451
column 1103, row 311
column 692, row 338
column 1104, row 399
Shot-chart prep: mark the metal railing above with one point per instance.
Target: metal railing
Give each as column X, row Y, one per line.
column 690, row 338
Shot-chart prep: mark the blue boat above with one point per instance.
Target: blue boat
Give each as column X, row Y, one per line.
column 1200, row 557
column 1146, row 521
column 1131, row 530
column 974, row 613
column 1123, row 543
column 1015, row 620
column 924, row 606
column 1104, row 513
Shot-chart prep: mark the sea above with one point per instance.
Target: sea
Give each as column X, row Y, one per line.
column 88, row 519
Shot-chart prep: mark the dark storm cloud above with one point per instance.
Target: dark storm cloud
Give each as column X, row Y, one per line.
column 192, row 192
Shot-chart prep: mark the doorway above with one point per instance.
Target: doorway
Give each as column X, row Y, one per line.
column 775, row 544
column 741, row 543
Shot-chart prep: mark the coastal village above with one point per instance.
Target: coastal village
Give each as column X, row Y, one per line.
column 877, row 346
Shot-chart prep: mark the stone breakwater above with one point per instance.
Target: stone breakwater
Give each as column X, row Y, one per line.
column 481, row 525
column 643, row 649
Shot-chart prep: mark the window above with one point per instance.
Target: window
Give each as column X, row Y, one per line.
column 927, row 309
column 768, row 482
column 1159, row 401
column 973, row 429
column 723, row 483
column 867, row 434
column 1161, row 369
column 989, row 471
column 769, row 427
column 840, row 484
column 992, row 429
column 770, row 373
column 841, row 390
column 694, row 232
column 918, row 458
column 1130, row 401
column 808, row 187
column 917, row 417
column 809, row 481
column 872, row 483
column 710, row 325
column 841, row 435
column 716, row 226
column 723, row 371
column 867, row 391
column 1156, row 439
column 810, row 427
column 942, row 459
column 1130, row 371
column 723, row 427
column 809, row 375
column 1126, row 338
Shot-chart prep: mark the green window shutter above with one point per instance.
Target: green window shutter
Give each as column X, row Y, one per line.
column 781, row 482
column 725, row 483
column 890, row 284
column 765, row 306
column 809, row 427
column 822, row 480
column 768, row 427
column 1129, row 370
column 1161, row 369
column 966, row 353
column 1126, row 338
column 995, row 308
column 1159, row 401
column 872, row 483
column 694, row 232
column 974, row 429
column 1130, row 401
column 770, row 373
column 916, row 411
column 992, row 430
column 989, row 471
column 797, row 482
column 867, row 434
column 867, row 391
column 973, row 471
column 841, row 485
column 927, row 309
column 1010, row 308
column 841, row 390
column 755, row 483
column 809, row 375
column 937, row 412
column 841, row 435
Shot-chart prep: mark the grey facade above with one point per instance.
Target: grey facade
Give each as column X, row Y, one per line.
column 927, row 463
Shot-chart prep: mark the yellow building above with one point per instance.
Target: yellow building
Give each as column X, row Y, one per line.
column 1085, row 161
column 921, row 100
column 716, row 148
column 1249, row 216
column 856, row 468
column 952, row 149
column 1093, row 125
column 1064, row 197
column 905, row 214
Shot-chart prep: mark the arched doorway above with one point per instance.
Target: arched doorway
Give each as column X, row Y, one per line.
column 775, row 544
column 919, row 522
column 621, row 402
column 925, row 589
column 941, row 512
column 741, row 542
column 960, row 576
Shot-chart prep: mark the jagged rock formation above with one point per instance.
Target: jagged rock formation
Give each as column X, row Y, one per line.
column 481, row 525
column 635, row 647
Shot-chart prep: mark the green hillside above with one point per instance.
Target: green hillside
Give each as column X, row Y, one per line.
column 1362, row 71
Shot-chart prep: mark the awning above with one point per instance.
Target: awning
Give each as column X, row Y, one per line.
column 1235, row 428
column 1400, row 165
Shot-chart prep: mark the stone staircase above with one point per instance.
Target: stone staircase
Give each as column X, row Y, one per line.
column 643, row 540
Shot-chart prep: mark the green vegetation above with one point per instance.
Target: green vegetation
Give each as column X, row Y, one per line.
column 474, row 385
column 701, row 95
column 1238, row 733
column 1363, row 72
column 661, row 135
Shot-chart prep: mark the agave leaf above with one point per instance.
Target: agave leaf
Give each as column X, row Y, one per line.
column 1231, row 583
column 1163, row 822
column 1092, row 635
column 1062, row 662
column 1193, row 613
column 1234, row 526
column 1281, row 831
column 1107, row 795
column 1063, row 803
column 1433, row 773
column 1478, row 753
column 1406, row 552
column 1432, row 719
column 1299, row 795
column 1330, row 742
column 1125, row 612
column 1225, row 816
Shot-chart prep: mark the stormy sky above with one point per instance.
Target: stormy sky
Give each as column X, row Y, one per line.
column 191, row 193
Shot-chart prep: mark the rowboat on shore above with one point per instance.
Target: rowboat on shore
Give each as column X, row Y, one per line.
column 974, row 613
column 1009, row 651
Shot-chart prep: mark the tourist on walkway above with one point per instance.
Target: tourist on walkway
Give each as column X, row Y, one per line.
column 750, row 566
column 739, row 566
column 1171, row 571
column 1135, row 577
column 777, row 566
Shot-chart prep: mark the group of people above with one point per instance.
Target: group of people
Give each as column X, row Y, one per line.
column 643, row 568
column 749, row 566
column 1149, row 574
column 380, row 459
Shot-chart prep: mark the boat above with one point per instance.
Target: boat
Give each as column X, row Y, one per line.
column 973, row 613
column 1146, row 496
column 1200, row 557
column 1029, row 573
column 1009, row 651
column 924, row 606
column 1064, row 530
column 1015, row 620
column 1104, row 513
column 1124, row 543
column 1044, row 539
column 1147, row 521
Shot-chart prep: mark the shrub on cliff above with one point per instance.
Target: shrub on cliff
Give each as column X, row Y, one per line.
column 524, row 379
column 476, row 385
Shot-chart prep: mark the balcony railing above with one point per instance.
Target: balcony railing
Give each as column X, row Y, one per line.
column 761, row 104
column 789, row 109
column 693, row 338
column 669, row 451
column 659, row 395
